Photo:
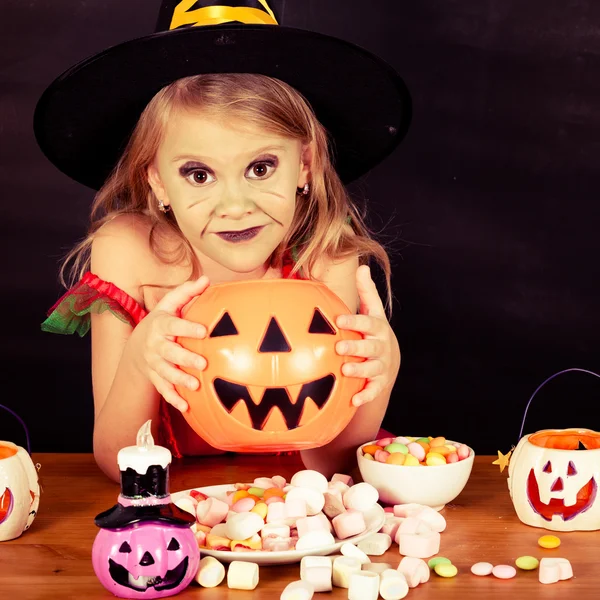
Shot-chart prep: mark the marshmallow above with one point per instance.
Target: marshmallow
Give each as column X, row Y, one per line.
column 210, row 572
column 264, row 482
column 349, row 523
column 552, row 570
column 315, row 539
column 415, row 571
column 375, row 544
column 343, row 567
column 422, row 545
column 425, row 513
column 187, row 503
column 211, row 511
column 352, row 551
column 279, row 481
column 391, row 525
column 392, row 585
column 272, row 544
column 346, row 479
column 314, row 523
column 338, row 486
column 244, row 525
column 364, row 585
column 275, row 530
column 200, row 538
column 220, row 530
column 242, row 575
column 310, row 479
column 317, row 570
column 314, row 499
column 376, row 567
column 361, row 496
column 334, row 505
column 298, row 590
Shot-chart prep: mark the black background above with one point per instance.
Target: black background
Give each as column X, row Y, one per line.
column 489, row 207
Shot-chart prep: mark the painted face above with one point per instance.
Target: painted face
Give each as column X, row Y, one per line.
column 553, row 479
column 232, row 189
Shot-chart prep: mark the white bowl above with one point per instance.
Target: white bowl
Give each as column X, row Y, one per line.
column 430, row 486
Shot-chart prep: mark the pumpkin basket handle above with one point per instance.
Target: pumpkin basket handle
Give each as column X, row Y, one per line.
column 543, row 384
column 14, row 414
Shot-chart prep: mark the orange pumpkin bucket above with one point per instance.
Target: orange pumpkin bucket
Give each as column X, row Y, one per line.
column 274, row 381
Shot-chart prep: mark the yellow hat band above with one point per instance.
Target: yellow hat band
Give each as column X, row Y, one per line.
column 216, row 15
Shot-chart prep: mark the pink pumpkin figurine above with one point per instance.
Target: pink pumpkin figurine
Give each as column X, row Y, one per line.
column 145, row 547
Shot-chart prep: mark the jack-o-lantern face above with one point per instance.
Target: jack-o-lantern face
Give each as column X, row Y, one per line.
column 274, row 378
column 553, row 479
column 149, row 560
column 19, row 491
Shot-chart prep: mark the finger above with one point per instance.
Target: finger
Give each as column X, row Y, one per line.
column 175, row 376
column 366, row 370
column 176, row 327
column 176, row 299
column 370, row 302
column 182, row 357
column 369, row 325
column 169, row 393
column 366, row 348
column 368, row 393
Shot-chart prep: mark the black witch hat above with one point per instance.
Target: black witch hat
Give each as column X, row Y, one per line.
column 86, row 116
column 141, row 487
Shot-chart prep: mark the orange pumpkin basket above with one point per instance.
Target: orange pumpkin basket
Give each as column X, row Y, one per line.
column 274, row 380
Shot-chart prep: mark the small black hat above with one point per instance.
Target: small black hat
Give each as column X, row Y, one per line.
column 84, row 119
column 136, row 486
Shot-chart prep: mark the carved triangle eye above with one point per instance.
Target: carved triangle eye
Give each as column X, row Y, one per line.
column 125, row 547
column 320, row 324
column 274, row 340
column 173, row 544
column 548, row 468
column 225, row 326
column 571, row 470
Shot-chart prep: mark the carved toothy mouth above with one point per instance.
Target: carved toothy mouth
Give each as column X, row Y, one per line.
column 585, row 499
column 296, row 404
column 172, row 578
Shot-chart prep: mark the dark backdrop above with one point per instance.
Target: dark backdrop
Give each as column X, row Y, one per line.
column 489, row 207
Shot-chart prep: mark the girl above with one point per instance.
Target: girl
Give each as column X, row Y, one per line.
column 225, row 175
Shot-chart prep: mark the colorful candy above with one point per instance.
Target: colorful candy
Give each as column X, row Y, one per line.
column 412, row 452
column 482, row 569
column 527, row 563
column 504, row 571
column 549, row 541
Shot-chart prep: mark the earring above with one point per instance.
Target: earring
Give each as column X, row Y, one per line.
column 164, row 208
column 304, row 191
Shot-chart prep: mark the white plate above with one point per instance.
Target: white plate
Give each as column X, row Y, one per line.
column 374, row 520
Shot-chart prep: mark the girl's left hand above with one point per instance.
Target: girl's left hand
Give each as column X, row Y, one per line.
column 379, row 345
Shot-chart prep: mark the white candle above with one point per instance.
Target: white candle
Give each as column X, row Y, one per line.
column 144, row 454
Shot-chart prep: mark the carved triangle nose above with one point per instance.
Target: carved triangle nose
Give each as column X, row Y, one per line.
column 274, row 340
column 147, row 560
column 557, row 486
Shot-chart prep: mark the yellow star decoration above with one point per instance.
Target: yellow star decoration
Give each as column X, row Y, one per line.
column 502, row 460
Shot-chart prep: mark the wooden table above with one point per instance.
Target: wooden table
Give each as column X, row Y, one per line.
column 52, row 559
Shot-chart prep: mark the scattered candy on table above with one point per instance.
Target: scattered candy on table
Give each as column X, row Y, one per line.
column 527, row 563
column 271, row 514
column 549, row 541
column 504, row 571
column 414, row 452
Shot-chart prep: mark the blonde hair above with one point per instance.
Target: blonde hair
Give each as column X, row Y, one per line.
column 326, row 221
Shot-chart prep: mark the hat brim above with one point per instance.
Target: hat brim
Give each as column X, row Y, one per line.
column 120, row 516
column 83, row 120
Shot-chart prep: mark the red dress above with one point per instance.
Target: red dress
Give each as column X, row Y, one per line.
column 71, row 314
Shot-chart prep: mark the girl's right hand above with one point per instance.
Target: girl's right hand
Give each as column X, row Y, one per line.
column 159, row 355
